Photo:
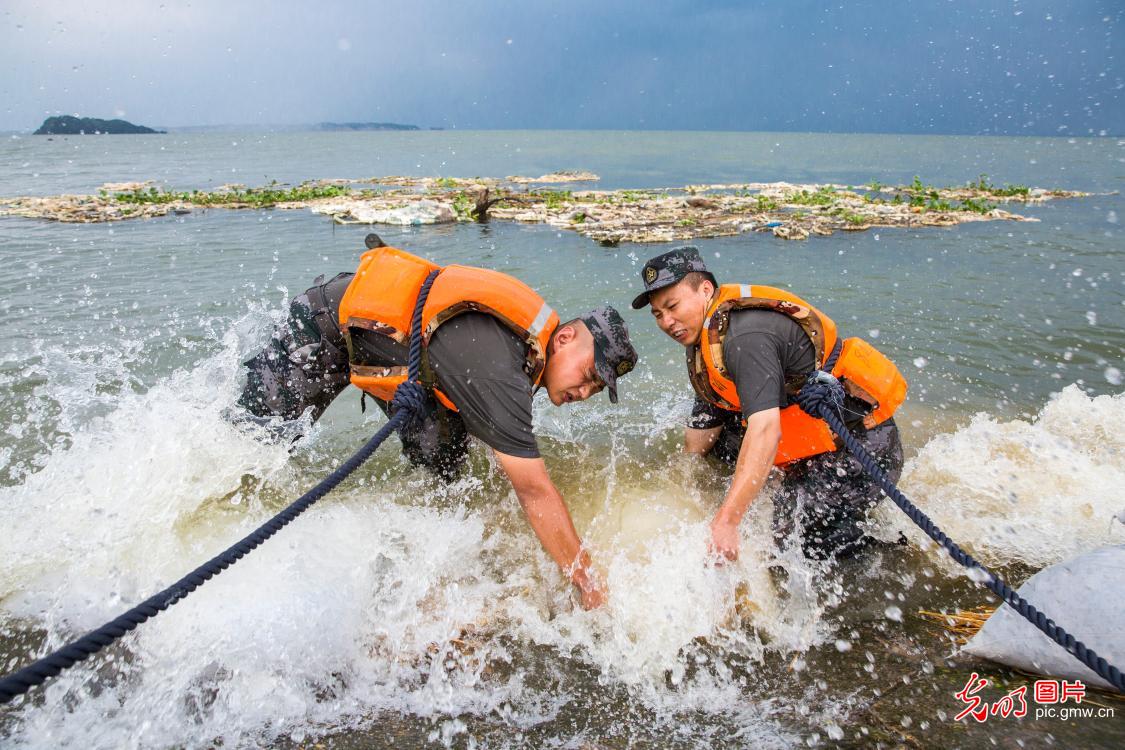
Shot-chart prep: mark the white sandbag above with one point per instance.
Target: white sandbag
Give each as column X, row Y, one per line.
column 1085, row 596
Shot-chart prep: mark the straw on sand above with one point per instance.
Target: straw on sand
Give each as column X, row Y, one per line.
column 963, row 623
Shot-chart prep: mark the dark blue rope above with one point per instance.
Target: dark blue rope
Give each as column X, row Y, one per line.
column 820, row 398
column 411, row 394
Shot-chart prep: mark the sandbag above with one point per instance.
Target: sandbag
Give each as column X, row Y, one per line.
column 1085, row 596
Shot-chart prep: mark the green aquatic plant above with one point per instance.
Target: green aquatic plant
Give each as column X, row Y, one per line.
column 976, row 205
column 464, row 207
column 256, row 197
column 824, row 196
column 151, row 195
column 554, row 199
column 445, row 182
column 765, row 203
column 982, row 184
column 925, row 196
column 1011, row 190
column 687, row 223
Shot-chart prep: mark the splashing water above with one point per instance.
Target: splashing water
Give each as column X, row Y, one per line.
column 397, row 594
column 1035, row 492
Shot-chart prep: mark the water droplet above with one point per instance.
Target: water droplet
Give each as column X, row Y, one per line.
column 873, row 333
column 920, row 362
column 1113, row 376
column 843, row 646
column 893, row 613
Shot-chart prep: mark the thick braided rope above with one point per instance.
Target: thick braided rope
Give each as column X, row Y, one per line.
column 819, row 399
column 41, row 670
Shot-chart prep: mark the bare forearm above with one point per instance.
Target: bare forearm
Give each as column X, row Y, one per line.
column 755, row 458
column 549, row 518
column 551, row 522
column 750, row 475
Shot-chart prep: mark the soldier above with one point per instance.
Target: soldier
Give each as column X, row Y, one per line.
column 750, row 349
column 489, row 342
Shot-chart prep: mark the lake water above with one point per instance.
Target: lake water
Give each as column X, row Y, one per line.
column 403, row 611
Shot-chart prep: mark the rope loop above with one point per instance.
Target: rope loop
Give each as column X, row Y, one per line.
column 411, row 397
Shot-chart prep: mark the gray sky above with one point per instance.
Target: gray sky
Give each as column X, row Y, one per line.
column 1029, row 67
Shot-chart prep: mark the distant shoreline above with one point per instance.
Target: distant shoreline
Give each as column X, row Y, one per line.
column 313, row 128
column 71, row 125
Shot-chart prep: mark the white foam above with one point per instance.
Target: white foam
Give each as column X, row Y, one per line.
column 1034, row 492
column 399, row 593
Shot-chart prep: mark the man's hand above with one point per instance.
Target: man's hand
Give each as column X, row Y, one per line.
column 755, row 458
column 589, row 585
column 593, row 597
column 724, row 541
column 551, row 522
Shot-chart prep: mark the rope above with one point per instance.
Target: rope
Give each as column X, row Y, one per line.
column 408, row 398
column 821, row 397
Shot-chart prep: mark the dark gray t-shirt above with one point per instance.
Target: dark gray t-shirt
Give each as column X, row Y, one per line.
column 761, row 350
column 478, row 363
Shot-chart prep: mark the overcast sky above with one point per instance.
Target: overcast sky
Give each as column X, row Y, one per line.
column 1029, row 67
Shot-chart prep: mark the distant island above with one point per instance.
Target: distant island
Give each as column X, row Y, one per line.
column 67, row 125
column 365, row 126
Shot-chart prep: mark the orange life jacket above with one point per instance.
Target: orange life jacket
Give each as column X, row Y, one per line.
column 380, row 301
column 864, row 372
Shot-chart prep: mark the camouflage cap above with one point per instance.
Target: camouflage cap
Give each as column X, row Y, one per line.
column 668, row 269
column 614, row 354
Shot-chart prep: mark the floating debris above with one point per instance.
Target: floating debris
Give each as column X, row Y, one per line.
column 556, row 177
column 125, row 187
column 789, row 211
column 416, row 213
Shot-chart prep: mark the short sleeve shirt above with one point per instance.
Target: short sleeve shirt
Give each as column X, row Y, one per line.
column 762, row 349
column 478, row 362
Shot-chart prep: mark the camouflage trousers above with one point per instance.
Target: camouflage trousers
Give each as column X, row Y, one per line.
column 824, row 501
column 305, row 364
column 304, row 367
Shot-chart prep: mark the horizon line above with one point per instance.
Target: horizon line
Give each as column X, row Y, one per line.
column 314, row 127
